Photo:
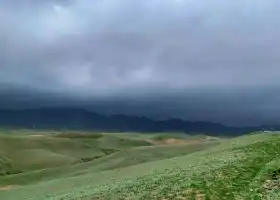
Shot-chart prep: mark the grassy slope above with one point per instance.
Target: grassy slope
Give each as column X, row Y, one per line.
column 120, row 143
column 120, row 159
column 28, row 151
column 37, row 152
column 236, row 169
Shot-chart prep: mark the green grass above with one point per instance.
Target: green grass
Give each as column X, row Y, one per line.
column 117, row 160
column 164, row 136
column 37, row 152
column 5, row 165
column 32, row 150
column 238, row 168
column 120, row 143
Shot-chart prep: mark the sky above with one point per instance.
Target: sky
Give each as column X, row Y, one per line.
column 199, row 60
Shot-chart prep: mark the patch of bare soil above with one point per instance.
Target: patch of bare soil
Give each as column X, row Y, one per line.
column 36, row 135
column 7, row 187
column 173, row 141
column 273, row 183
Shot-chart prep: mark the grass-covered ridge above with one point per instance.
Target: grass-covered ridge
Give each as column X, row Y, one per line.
column 50, row 154
column 27, row 151
column 238, row 168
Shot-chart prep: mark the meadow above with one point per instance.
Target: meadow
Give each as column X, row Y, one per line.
column 68, row 165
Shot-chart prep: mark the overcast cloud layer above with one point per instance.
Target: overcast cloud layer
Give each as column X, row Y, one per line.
column 196, row 59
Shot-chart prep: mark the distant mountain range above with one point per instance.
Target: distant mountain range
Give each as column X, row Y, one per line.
column 80, row 119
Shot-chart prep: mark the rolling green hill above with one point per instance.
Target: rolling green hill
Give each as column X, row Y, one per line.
column 238, row 168
column 31, row 152
column 70, row 154
column 26, row 151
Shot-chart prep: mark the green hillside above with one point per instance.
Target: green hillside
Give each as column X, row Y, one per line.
column 238, row 168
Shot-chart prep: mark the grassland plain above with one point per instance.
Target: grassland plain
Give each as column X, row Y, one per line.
column 238, row 168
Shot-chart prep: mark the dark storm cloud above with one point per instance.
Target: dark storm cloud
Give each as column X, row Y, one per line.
column 197, row 59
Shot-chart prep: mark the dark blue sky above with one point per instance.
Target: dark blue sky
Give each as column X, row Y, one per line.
column 196, row 59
